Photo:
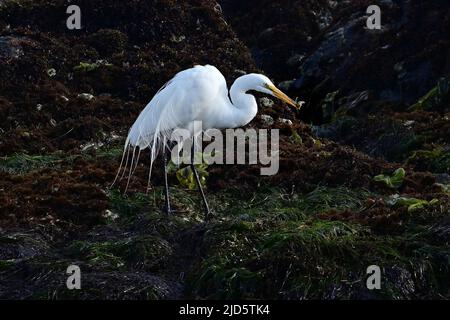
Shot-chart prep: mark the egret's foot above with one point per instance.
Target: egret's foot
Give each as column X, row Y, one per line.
column 209, row 215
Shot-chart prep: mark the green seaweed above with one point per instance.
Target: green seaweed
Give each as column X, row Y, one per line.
column 295, row 137
column 435, row 97
column 395, row 181
column 21, row 162
column 138, row 252
column 186, row 176
column 436, row 160
column 413, row 204
column 329, row 104
column 85, row 67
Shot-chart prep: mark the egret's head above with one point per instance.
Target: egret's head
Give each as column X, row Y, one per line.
column 266, row 86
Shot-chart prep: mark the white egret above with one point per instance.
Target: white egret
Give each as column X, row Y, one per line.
column 196, row 94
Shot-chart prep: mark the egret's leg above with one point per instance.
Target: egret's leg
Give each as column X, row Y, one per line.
column 166, row 184
column 197, row 179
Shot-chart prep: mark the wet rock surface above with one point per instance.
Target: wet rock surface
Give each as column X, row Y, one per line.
column 67, row 99
column 364, row 87
column 399, row 62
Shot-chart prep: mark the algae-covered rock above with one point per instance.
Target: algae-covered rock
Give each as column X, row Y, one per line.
column 108, row 41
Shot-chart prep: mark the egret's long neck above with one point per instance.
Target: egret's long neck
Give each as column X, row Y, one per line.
column 243, row 106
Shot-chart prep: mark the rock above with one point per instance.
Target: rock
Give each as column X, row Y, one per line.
column 284, row 29
column 91, row 145
column 86, row 96
column 177, row 39
column 333, row 4
column 108, row 41
column 408, row 123
column 285, row 121
column 111, row 215
column 267, row 120
column 387, row 3
column 239, row 73
column 286, row 85
column 266, row 102
column 401, row 279
column 443, row 178
column 295, row 60
column 324, row 19
column 64, row 98
column 398, row 67
column 442, row 229
column 399, row 63
column 51, row 72
column 352, row 101
column 337, row 129
column 10, row 48
column 349, row 54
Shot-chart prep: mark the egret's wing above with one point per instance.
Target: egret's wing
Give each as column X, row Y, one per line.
column 179, row 102
column 159, row 116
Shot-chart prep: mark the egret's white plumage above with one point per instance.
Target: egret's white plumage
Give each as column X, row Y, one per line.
column 196, row 94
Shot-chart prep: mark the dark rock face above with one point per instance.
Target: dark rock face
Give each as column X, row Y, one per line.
column 279, row 33
column 363, row 87
column 400, row 62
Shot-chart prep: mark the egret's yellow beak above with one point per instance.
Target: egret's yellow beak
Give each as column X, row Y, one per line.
column 283, row 97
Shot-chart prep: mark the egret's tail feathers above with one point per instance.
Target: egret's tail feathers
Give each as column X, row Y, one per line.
column 152, row 129
column 125, row 149
column 131, row 155
column 130, row 172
